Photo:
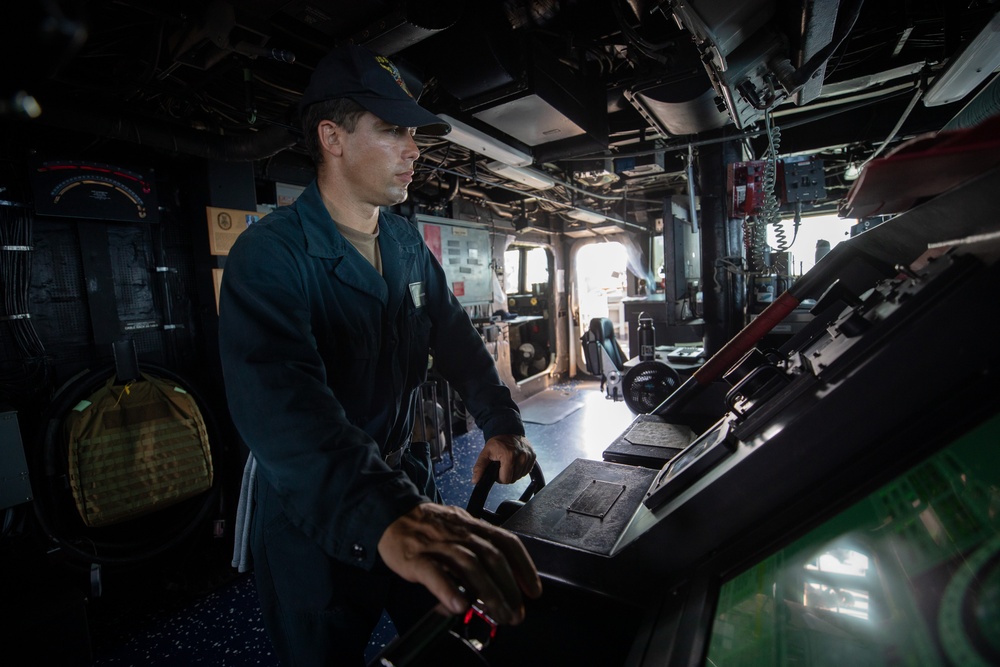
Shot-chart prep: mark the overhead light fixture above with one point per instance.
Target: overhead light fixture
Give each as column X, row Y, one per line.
column 584, row 215
column 522, row 224
column 978, row 60
column 581, row 233
column 608, row 229
column 484, row 144
column 852, row 171
column 530, row 177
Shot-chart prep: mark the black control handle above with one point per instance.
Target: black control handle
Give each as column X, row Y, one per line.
column 477, row 500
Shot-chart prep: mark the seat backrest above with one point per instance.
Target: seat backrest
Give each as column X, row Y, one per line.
column 604, row 330
column 593, row 353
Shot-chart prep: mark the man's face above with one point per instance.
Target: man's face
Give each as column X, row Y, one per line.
column 378, row 160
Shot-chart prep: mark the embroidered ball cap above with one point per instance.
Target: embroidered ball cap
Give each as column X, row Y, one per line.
column 373, row 82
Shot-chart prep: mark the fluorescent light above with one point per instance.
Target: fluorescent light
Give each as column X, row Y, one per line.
column 480, row 142
column 978, row 60
column 585, row 216
column 605, row 230
column 530, row 177
column 580, row 233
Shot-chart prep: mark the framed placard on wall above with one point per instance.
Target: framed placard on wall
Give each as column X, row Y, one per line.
column 224, row 225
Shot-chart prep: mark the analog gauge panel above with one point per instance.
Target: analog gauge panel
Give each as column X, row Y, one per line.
column 79, row 189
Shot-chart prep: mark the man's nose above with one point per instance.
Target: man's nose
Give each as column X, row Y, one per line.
column 411, row 150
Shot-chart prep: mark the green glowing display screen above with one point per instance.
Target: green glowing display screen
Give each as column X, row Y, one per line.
column 908, row 576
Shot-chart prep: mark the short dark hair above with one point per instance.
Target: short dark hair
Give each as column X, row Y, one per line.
column 342, row 110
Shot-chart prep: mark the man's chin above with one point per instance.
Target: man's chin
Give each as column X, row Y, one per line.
column 396, row 197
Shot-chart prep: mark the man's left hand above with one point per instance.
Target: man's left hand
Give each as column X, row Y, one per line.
column 514, row 453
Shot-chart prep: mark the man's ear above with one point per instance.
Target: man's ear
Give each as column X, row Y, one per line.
column 329, row 137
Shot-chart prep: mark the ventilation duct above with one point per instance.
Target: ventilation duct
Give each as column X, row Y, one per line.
column 678, row 108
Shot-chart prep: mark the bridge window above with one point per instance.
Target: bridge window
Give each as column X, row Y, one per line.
column 802, row 244
column 526, row 270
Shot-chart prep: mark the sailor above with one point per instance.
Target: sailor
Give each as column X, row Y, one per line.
column 328, row 310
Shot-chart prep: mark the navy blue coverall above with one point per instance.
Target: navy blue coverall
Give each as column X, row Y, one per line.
column 321, row 356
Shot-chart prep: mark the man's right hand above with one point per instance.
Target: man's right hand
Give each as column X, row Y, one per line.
column 440, row 547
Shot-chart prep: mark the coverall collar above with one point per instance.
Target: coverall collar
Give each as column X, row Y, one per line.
column 323, row 240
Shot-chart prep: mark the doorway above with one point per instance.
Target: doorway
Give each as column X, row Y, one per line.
column 601, row 284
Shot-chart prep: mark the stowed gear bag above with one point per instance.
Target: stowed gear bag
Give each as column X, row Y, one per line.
column 136, row 448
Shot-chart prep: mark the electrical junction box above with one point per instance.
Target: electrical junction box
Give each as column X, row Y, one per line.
column 796, row 180
column 804, row 180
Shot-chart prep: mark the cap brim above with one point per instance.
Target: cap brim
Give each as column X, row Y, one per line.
column 405, row 113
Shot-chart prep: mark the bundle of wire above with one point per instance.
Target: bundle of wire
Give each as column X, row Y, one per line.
column 24, row 363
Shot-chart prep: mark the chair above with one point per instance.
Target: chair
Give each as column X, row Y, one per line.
column 604, row 356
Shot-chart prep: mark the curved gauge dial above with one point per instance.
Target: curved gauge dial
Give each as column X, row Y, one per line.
column 79, row 189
